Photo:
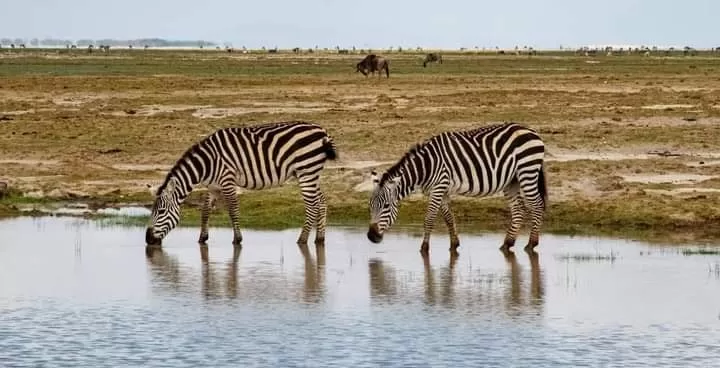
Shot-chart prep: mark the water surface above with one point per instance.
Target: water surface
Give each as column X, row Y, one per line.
column 76, row 293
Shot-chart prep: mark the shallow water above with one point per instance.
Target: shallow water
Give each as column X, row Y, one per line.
column 77, row 293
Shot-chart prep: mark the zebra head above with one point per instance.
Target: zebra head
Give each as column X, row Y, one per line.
column 165, row 213
column 383, row 205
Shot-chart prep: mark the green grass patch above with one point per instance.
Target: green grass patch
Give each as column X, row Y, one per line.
column 588, row 257
column 701, row 252
column 639, row 217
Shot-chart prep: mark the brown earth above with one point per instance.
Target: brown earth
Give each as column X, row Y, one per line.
column 618, row 129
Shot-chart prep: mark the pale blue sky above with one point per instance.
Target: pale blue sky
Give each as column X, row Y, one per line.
column 373, row 23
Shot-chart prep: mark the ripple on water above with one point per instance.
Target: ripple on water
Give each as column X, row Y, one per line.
column 75, row 293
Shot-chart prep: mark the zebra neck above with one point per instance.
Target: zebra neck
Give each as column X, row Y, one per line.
column 182, row 188
column 187, row 176
column 407, row 186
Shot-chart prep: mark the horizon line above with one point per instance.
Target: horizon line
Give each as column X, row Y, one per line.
column 229, row 44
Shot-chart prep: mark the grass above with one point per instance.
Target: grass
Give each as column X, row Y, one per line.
column 701, row 252
column 69, row 120
column 589, row 257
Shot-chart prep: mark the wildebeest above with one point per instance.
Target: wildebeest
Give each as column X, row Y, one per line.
column 431, row 58
column 373, row 63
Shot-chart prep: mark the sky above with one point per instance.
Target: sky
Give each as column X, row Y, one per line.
column 446, row 24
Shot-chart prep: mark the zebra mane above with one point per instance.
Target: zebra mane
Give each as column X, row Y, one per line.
column 175, row 167
column 394, row 170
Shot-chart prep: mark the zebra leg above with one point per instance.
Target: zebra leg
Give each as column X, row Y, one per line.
column 231, row 200
column 537, row 209
column 536, row 206
column 450, row 223
column 517, row 214
column 320, row 220
column 205, row 217
column 436, row 200
column 314, row 205
column 210, row 199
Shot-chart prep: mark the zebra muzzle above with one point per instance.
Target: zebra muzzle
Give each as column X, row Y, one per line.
column 373, row 234
column 150, row 239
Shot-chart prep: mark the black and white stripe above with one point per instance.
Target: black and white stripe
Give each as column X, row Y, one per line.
column 506, row 158
column 253, row 157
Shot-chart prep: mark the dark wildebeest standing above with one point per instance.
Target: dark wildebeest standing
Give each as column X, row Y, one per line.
column 431, row 58
column 371, row 64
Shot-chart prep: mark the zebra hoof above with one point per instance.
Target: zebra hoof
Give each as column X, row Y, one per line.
column 425, row 249
column 532, row 243
column 507, row 244
column 454, row 245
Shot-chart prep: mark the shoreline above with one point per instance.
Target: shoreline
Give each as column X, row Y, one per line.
column 631, row 148
column 617, row 218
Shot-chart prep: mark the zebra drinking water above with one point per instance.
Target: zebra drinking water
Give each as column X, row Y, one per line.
column 253, row 157
column 484, row 161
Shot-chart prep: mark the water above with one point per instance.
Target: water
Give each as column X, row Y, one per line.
column 76, row 293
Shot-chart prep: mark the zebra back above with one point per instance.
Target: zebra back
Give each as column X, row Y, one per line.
column 475, row 159
column 265, row 154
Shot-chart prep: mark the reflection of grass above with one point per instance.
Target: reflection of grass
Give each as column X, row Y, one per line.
column 701, row 252
column 581, row 257
column 714, row 269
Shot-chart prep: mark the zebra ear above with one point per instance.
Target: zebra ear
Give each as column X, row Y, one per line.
column 375, row 178
column 414, row 149
column 151, row 188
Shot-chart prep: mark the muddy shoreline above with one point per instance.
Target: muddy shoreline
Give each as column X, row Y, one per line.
column 617, row 217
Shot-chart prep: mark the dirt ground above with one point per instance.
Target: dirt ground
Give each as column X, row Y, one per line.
column 618, row 128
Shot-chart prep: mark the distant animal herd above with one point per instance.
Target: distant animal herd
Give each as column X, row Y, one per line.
column 373, row 63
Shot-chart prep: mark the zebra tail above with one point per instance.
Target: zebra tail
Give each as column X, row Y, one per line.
column 330, row 149
column 542, row 186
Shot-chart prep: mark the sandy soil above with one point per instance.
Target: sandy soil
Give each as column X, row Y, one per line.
column 612, row 128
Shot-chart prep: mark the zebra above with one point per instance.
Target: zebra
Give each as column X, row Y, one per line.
column 483, row 161
column 431, row 58
column 252, row 157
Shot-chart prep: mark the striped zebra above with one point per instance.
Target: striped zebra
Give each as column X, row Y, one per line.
column 254, row 157
column 484, row 161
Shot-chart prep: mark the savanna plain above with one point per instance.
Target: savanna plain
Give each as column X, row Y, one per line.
column 632, row 153
column 632, row 139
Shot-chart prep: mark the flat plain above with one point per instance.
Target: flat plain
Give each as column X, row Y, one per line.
column 632, row 139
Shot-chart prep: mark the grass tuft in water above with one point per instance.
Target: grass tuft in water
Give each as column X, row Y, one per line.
column 585, row 257
column 701, row 252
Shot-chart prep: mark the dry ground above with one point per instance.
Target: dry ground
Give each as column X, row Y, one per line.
column 633, row 141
